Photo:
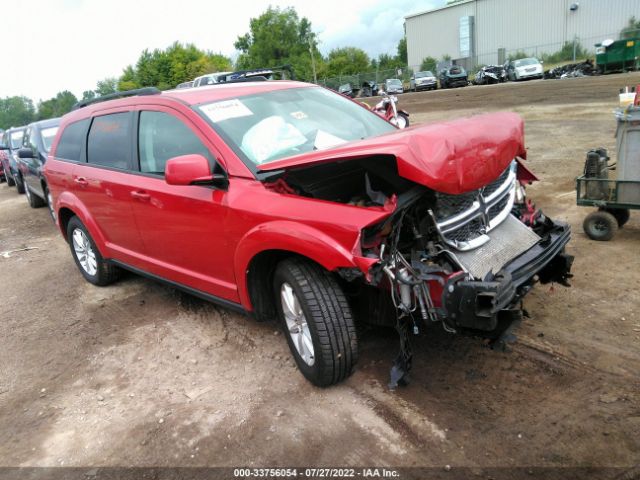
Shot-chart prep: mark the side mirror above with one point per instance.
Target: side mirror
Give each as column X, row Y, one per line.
column 192, row 169
column 25, row 153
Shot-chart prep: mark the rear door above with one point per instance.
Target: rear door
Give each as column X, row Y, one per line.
column 184, row 228
column 104, row 181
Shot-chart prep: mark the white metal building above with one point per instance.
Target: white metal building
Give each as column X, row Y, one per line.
column 487, row 31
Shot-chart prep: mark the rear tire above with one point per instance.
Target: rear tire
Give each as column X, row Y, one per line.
column 600, row 226
column 317, row 321
column 19, row 184
column 10, row 181
column 92, row 266
column 34, row 200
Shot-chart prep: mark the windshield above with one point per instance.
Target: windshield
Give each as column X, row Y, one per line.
column 526, row 61
column 395, row 82
column 48, row 134
column 270, row 126
column 16, row 139
column 456, row 70
column 424, row 74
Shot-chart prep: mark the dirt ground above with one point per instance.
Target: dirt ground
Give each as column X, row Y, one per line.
column 138, row 374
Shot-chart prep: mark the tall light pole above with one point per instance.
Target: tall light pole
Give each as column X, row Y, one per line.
column 313, row 61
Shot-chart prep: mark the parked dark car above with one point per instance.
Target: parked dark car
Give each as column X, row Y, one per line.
column 453, row 76
column 2, row 154
column 288, row 201
column 32, row 156
column 346, row 90
column 11, row 143
column 369, row 89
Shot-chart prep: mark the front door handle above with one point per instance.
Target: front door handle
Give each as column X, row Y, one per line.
column 81, row 181
column 141, row 195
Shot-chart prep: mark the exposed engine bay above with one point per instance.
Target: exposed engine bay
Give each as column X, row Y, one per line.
column 464, row 260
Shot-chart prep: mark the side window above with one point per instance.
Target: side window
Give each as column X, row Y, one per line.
column 70, row 143
column 162, row 136
column 30, row 140
column 109, row 141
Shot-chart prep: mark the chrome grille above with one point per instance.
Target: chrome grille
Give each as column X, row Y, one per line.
column 464, row 220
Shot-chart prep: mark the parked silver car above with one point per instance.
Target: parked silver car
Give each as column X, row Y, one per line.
column 393, row 85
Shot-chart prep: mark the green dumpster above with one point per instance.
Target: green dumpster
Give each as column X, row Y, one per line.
column 619, row 55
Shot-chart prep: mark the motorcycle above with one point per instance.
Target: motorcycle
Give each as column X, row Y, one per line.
column 387, row 108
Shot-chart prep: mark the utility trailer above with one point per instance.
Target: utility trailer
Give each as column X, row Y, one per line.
column 614, row 197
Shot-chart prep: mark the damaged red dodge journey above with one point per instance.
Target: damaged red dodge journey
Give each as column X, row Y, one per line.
column 283, row 199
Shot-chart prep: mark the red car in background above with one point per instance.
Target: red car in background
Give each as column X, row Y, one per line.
column 284, row 199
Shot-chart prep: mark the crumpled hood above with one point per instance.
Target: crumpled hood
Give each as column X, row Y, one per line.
column 450, row 157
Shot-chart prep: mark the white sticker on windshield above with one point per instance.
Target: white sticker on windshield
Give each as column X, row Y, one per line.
column 325, row 140
column 220, row 111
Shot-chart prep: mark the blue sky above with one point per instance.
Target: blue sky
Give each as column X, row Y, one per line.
column 71, row 44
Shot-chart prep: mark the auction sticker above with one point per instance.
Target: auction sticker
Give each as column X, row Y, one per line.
column 220, row 111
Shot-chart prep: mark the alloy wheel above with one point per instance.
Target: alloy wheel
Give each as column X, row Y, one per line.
column 297, row 325
column 84, row 252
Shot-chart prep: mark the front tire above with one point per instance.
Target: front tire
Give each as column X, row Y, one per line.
column 317, row 320
column 10, row 181
column 92, row 266
column 600, row 226
column 403, row 120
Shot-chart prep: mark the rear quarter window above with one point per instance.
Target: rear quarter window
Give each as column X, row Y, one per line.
column 109, row 141
column 71, row 141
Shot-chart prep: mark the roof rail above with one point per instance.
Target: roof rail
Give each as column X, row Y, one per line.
column 113, row 96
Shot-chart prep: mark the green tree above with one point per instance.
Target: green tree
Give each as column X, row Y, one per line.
column 107, row 86
column 88, row 95
column 347, row 61
column 56, row 106
column 16, row 111
column 632, row 30
column 429, row 63
column 280, row 37
column 167, row 68
column 402, row 51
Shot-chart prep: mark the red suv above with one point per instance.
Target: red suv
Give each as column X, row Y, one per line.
column 284, row 199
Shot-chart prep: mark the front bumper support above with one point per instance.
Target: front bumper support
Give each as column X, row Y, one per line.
column 478, row 305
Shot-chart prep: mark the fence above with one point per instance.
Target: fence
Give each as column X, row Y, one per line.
column 584, row 46
column 356, row 81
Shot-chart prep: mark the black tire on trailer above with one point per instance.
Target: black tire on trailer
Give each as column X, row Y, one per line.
column 622, row 215
column 317, row 321
column 89, row 261
column 600, row 225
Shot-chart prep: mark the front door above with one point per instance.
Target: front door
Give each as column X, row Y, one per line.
column 183, row 227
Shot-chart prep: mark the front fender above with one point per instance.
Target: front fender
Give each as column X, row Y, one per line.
column 290, row 237
column 69, row 201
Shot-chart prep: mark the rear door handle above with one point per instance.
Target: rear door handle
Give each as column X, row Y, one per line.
column 141, row 195
column 81, row 181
